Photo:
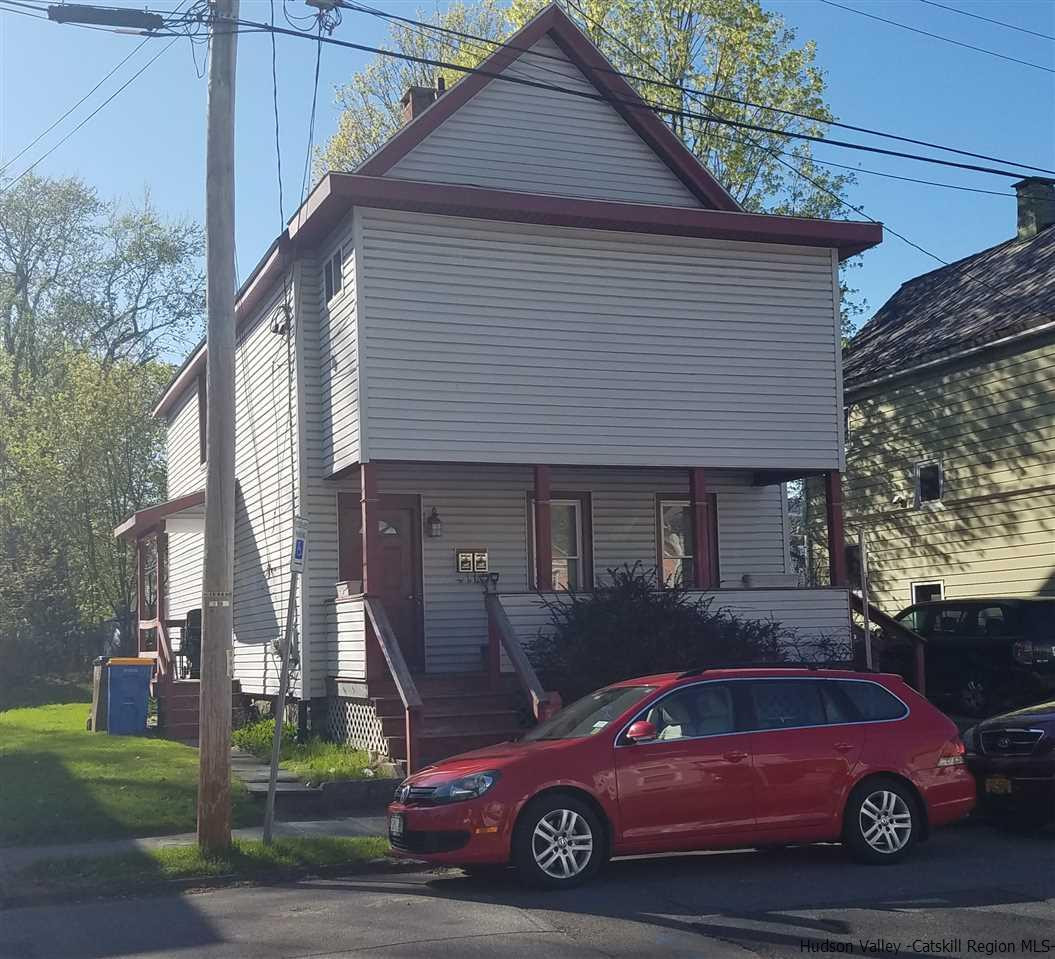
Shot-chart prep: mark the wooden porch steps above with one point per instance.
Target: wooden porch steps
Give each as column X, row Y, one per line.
column 460, row 712
column 178, row 703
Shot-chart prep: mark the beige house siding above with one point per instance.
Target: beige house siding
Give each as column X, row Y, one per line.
column 991, row 426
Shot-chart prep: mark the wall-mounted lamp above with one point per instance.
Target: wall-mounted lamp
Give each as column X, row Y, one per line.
column 434, row 525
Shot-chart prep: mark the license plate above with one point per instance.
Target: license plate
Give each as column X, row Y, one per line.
column 998, row 786
column 395, row 824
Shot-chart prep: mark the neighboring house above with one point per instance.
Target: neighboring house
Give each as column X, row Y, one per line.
column 531, row 335
column 951, row 413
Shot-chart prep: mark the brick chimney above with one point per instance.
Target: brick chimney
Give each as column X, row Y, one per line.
column 1036, row 205
column 415, row 101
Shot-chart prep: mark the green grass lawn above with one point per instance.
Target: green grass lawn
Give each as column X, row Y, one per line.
column 247, row 860
column 315, row 760
column 61, row 784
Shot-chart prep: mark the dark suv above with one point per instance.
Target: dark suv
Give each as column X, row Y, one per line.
column 983, row 655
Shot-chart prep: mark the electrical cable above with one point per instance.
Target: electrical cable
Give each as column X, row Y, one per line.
column 938, row 36
column 978, row 16
column 666, row 84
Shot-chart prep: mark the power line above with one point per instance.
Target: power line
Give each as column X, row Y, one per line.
column 999, row 23
column 373, row 11
column 278, row 141
column 634, row 104
column 87, row 96
column 938, row 36
column 818, row 185
column 112, row 96
column 894, row 176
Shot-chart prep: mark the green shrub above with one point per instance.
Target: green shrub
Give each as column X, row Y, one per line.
column 315, row 759
column 627, row 627
column 256, row 737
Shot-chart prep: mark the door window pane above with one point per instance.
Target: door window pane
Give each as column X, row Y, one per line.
column 679, row 548
column 786, row 703
column 994, row 622
column 704, row 710
column 953, row 621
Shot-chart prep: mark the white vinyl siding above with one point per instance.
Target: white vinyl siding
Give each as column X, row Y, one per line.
column 487, row 505
column 333, row 326
column 487, row 341
column 263, row 510
column 186, row 472
column 510, row 136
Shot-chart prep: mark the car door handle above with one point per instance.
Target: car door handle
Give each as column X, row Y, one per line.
column 735, row 757
column 844, row 747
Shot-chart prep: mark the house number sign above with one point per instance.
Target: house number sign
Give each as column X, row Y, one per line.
column 471, row 560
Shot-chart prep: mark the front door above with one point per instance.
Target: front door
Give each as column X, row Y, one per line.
column 399, row 585
column 695, row 782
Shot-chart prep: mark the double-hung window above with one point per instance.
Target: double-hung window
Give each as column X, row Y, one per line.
column 333, row 275
column 677, row 542
column 570, row 542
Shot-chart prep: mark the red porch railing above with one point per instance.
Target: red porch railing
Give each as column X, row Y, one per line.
column 400, row 672
column 501, row 634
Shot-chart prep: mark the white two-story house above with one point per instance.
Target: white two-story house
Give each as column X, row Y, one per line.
column 531, row 336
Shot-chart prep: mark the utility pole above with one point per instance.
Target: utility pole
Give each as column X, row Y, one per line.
column 214, row 751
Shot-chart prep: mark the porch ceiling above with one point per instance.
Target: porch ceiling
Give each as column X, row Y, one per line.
column 142, row 522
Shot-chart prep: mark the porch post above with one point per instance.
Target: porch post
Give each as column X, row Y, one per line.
column 139, row 595
column 833, row 496
column 371, row 563
column 543, row 531
column 702, row 525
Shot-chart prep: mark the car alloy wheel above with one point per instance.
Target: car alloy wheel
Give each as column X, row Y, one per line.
column 562, row 843
column 885, row 821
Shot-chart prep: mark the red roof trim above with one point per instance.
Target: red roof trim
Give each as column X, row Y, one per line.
column 598, row 70
column 147, row 519
column 349, row 189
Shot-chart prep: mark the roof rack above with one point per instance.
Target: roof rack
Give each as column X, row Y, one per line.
column 758, row 664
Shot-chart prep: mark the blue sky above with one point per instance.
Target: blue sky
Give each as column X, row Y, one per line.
column 152, row 136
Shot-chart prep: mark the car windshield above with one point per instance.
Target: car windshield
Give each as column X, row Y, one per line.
column 589, row 715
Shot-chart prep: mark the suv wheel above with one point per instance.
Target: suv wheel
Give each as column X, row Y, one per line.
column 559, row 842
column 882, row 821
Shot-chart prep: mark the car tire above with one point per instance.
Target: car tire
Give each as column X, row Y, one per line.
column 559, row 842
column 882, row 822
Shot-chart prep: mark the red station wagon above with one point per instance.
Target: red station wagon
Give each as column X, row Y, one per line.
column 710, row 759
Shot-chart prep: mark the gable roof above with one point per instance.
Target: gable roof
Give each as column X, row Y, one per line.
column 987, row 297
column 552, row 22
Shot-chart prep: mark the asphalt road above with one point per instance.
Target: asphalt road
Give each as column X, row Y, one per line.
column 970, row 886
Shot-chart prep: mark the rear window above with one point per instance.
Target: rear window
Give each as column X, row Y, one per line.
column 872, row 702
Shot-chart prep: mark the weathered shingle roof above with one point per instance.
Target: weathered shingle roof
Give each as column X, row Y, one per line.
column 1007, row 289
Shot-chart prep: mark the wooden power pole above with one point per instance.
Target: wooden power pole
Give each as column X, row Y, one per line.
column 214, row 773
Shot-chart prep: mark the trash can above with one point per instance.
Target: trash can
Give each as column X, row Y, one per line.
column 128, row 689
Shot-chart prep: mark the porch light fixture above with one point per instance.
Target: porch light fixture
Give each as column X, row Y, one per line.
column 434, row 525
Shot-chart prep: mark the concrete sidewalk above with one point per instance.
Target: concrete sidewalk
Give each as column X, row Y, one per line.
column 13, row 858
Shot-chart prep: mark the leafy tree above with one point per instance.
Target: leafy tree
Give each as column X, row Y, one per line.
column 91, row 293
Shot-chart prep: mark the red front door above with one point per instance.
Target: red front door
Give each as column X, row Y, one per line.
column 399, row 586
column 693, row 783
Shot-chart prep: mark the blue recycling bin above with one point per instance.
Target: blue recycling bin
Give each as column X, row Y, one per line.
column 128, row 690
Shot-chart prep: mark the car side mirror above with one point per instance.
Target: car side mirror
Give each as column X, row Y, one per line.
column 641, row 731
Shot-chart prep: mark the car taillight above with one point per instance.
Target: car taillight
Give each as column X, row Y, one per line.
column 952, row 753
column 1023, row 652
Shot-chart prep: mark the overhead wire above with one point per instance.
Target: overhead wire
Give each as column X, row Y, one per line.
column 938, row 36
column 978, row 16
column 668, row 84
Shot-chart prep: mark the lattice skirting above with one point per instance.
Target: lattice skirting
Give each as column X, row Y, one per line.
column 355, row 722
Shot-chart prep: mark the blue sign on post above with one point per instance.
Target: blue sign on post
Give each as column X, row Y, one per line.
column 300, row 539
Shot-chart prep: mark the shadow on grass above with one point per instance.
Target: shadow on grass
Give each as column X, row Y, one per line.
column 45, row 691
column 64, row 785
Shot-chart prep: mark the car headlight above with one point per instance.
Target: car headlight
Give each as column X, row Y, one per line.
column 468, row 787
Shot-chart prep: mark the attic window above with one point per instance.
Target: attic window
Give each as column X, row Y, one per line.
column 929, row 483
column 333, row 275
